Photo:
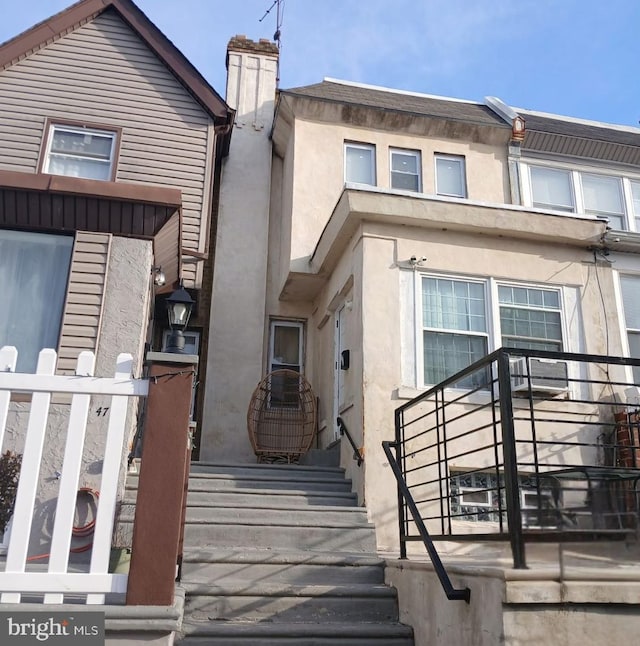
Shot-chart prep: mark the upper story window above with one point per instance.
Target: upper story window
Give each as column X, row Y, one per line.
column 79, row 151
column 603, row 197
column 450, row 176
column 360, row 163
column 551, row 188
column 630, row 288
column 609, row 197
column 405, row 170
column 455, row 315
column 34, row 271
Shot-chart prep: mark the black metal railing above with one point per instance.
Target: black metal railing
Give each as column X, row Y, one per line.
column 357, row 456
column 521, row 446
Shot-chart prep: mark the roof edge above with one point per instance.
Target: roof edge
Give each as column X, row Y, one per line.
column 86, row 10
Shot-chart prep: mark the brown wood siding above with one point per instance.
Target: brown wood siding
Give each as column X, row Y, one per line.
column 85, row 293
column 103, row 73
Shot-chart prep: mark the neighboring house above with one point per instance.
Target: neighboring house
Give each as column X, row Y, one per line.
column 111, row 141
column 403, row 236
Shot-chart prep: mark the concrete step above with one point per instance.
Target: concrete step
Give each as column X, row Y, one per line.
column 342, row 537
column 290, row 470
column 291, row 603
column 241, row 633
column 277, row 482
column 256, row 498
column 220, row 567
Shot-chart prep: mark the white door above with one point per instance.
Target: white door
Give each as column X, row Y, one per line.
column 338, row 381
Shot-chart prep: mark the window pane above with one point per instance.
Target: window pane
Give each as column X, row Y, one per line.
column 405, row 170
column 530, row 318
column 445, row 354
column 551, row 188
column 453, row 305
column 87, row 144
column 286, row 345
column 635, row 194
column 77, row 167
column 630, row 286
column 450, row 176
column 34, row 270
column 359, row 165
column 602, row 194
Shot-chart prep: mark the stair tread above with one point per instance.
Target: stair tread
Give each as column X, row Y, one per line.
column 256, row 589
column 302, row 468
column 268, row 556
column 320, row 629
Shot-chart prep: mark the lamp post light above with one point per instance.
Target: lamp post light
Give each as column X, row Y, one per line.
column 179, row 306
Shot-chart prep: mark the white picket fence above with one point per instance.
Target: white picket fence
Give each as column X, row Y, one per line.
column 16, row 579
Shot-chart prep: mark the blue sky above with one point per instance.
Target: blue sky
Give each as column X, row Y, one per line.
column 573, row 57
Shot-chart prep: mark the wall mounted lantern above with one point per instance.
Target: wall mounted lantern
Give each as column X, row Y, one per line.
column 179, row 306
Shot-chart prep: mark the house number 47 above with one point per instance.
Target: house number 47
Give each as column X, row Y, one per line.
column 102, row 411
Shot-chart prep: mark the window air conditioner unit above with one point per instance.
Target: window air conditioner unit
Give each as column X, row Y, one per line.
column 547, row 375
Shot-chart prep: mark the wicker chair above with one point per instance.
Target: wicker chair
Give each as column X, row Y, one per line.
column 282, row 417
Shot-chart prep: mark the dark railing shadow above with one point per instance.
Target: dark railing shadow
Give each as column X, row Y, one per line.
column 521, row 446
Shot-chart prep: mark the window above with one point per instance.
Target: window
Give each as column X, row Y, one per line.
column 630, row 288
column 454, row 326
column 635, row 198
column 450, row 176
column 551, row 188
column 478, row 496
column 530, row 318
column 455, row 329
column 285, row 352
column 607, row 197
column 405, row 170
column 360, row 164
column 78, row 151
column 603, row 197
column 34, row 270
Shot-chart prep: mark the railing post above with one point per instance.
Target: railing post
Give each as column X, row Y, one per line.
column 512, row 490
column 157, row 530
column 402, row 520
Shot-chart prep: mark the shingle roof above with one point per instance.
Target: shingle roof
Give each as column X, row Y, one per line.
column 571, row 128
column 574, row 138
column 398, row 101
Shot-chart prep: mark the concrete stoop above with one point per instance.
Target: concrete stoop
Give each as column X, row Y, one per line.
column 281, row 554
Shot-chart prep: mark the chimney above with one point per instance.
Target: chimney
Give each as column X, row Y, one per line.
column 252, row 69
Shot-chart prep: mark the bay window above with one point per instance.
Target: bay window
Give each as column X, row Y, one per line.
column 551, row 188
column 34, row 270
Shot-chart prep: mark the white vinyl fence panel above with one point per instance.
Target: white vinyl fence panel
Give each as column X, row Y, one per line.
column 16, row 579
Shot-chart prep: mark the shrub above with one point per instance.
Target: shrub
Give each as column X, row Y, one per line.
column 9, row 474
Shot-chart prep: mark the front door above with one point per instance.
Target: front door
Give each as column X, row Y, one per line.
column 338, row 381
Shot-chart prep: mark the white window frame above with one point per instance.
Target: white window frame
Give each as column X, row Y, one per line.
column 626, row 183
column 418, row 174
column 361, row 146
column 460, row 159
column 83, row 130
column 271, row 358
column 627, row 329
column 493, row 332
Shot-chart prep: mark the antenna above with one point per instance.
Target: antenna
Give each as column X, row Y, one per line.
column 277, row 36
